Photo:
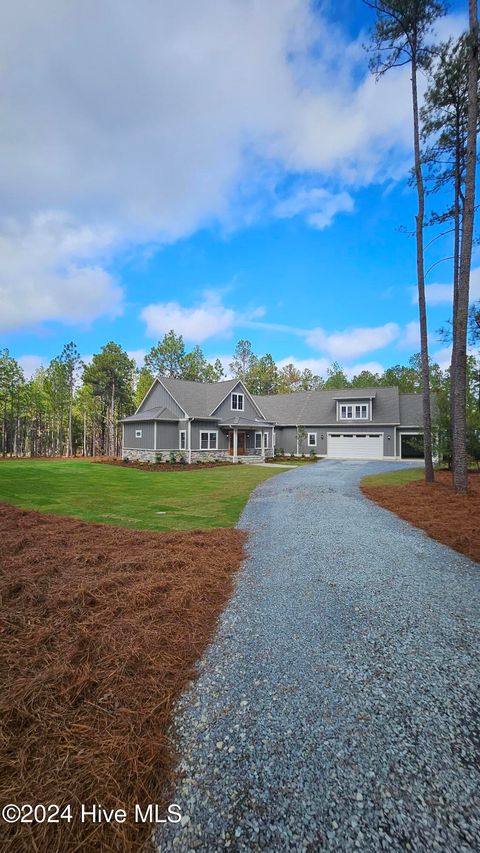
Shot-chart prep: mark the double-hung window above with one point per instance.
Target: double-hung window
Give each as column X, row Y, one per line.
column 265, row 440
column 237, row 402
column 346, row 412
column 258, row 441
column 361, row 412
column 312, row 439
column 182, row 444
column 208, row 440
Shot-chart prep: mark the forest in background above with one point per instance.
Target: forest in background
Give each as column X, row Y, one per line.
column 71, row 408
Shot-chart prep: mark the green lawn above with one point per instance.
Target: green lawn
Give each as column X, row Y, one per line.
column 394, row 478
column 213, row 497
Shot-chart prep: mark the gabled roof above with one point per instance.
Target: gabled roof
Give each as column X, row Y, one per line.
column 238, row 420
column 319, row 407
column 162, row 414
column 198, row 399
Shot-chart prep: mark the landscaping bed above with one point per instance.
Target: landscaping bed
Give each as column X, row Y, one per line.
column 435, row 508
column 103, row 626
column 292, row 460
column 159, row 466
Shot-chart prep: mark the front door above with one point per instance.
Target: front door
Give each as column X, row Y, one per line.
column 240, row 443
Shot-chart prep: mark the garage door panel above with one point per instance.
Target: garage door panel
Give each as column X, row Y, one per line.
column 356, row 446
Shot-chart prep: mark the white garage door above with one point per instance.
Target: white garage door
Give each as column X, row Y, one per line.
column 360, row 446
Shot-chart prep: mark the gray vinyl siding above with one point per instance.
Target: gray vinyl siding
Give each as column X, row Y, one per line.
column 158, row 397
column 389, row 441
column 146, row 442
column 226, row 413
column 167, row 436
column 208, row 426
column 286, row 439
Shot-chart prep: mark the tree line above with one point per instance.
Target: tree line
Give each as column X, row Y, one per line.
column 445, row 133
column 69, row 407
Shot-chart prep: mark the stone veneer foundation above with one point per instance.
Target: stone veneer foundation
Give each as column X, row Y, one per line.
column 138, row 455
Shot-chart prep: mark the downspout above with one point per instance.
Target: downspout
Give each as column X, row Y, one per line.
column 297, row 442
column 189, row 439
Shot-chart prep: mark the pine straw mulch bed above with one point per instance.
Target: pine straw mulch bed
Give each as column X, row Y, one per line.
column 435, row 508
column 292, row 459
column 101, row 630
column 158, row 466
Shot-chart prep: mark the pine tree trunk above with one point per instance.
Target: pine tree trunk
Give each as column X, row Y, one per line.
column 422, row 307
column 456, row 272
column 111, row 432
column 460, row 462
column 70, row 440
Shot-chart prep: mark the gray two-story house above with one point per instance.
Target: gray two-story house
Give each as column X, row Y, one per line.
column 223, row 420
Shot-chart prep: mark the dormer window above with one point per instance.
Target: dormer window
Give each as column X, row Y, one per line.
column 237, row 402
column 354, row 412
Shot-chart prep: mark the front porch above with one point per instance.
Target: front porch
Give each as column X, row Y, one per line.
column 248, row 443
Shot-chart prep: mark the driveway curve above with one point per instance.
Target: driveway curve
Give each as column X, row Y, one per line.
column 337, row 708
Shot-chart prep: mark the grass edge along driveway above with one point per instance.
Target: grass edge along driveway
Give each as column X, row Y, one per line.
column 127, row 497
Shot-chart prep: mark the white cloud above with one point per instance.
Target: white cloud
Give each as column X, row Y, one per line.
column 170, row 114
column 443, row 357
column 30, row 363
column 441, row 294
column 51, row 271
column 319, row 366
column 196, row 324
column 137, row 355
column 319, row 206
column 410, row 336
column 352, row 343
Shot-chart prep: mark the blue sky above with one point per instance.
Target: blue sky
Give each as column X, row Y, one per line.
column 228, row 169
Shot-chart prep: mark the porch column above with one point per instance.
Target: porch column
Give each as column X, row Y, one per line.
column 235, row 443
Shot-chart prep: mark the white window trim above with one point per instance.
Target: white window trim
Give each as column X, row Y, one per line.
column 209, row 432
column 310, row 443
column 139, row 433
column 258, row 446
column 182, row 432
column 238, row 408
column 265, row 440
column 353, row 406
column 361, row 417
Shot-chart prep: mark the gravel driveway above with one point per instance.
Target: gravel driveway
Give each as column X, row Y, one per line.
column 338, row 707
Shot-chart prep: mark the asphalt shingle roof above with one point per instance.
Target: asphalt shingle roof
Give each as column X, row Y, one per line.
column 198, row 399
column 319, row 407
column 157, row 414
column 411, row 409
